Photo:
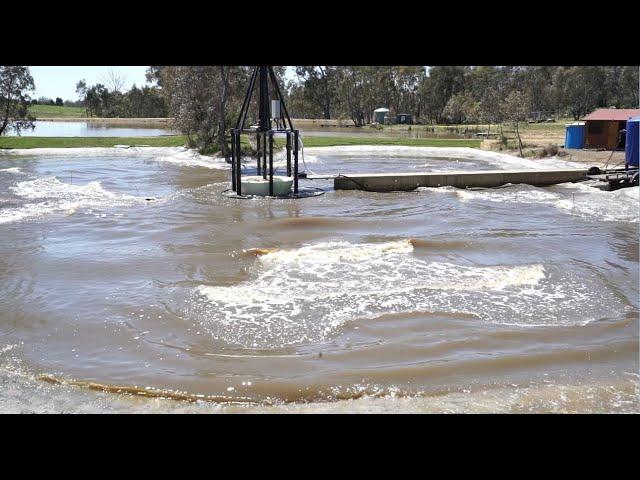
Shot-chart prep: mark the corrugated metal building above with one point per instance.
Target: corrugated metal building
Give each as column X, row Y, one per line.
column 604, row 126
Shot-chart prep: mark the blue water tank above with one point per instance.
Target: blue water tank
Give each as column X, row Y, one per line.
column 632, row 142
column 575, row 134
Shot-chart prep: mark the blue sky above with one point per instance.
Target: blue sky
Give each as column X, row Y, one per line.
column 52, row 82
column 61, row 82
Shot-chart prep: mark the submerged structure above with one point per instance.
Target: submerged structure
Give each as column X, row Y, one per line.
column 272, row 111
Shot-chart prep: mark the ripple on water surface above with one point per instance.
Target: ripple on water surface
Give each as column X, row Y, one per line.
column 436, row 300
column 307, row 294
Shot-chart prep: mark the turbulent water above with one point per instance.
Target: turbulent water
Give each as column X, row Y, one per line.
column 130, row 283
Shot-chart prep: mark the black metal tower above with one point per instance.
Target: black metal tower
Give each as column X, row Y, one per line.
column 269, row 109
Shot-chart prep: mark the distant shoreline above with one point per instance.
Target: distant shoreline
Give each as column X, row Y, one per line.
column 160, row 122
column 164, row 121
column 7, row 143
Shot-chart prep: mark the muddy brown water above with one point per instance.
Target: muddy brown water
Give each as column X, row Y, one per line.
column 126, row 276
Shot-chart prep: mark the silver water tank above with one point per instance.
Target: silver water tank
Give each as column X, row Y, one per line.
column 275, row 108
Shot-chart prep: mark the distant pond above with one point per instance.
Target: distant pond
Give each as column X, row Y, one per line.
column 90, row 129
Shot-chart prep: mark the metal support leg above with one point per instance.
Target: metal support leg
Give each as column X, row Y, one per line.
column 296, row 134
column 288, row 154
column 271, row 164
column 233, row 160
column 264, row 156
column 238, row 166
column 259, row 165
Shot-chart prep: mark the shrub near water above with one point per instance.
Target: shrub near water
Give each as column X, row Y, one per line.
column 550, row 150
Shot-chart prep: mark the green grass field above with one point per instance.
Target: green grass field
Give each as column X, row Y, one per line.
column 409, row 142
column 70, row 142
column 178, row 140
column 559, row 125
column 52, row 111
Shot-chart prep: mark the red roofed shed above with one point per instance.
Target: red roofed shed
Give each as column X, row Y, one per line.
column 604, row 126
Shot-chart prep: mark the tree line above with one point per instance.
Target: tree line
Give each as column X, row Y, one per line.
column 100, row 100
column 458, row 94
column 58, row 102
column 16, row 86
column 205, row 100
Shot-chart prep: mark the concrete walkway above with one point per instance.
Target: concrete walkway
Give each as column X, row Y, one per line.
column 388, row 182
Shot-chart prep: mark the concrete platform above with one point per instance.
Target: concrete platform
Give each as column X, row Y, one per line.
column 389, row 182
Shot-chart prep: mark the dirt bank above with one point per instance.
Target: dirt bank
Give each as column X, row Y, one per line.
column 594, row 158
column 540, row 149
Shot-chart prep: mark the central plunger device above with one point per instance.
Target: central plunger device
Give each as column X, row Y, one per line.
column 270, row 111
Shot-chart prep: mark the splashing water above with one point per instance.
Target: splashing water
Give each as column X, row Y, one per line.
column 62, row 198
column 307, row 294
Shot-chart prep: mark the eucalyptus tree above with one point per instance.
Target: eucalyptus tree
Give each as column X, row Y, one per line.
column 439, row 86
column 621, row 84
column 319, row 87
column 629, row 86
column 407, row 80
column 145, row 102
column 81, row 91
column 98, row 101
column 15, row 84
column 297, row 104
column 204, row 101
column 355, row 92
column 537, row 82
column 579, row 89
column 462, row 108
column 488, row 85
column 515, row 110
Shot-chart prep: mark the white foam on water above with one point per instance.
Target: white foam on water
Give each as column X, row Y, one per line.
column 191, row 158
column 620, row 205
column 398, row 151
column 13, row 170
column 579, row 199
column 62, row 198
column 557, row 162
column 175, row 155
column 308, row 294
column 22, row 392
column 333, row 252
column 500, row 160
column 513, row 193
